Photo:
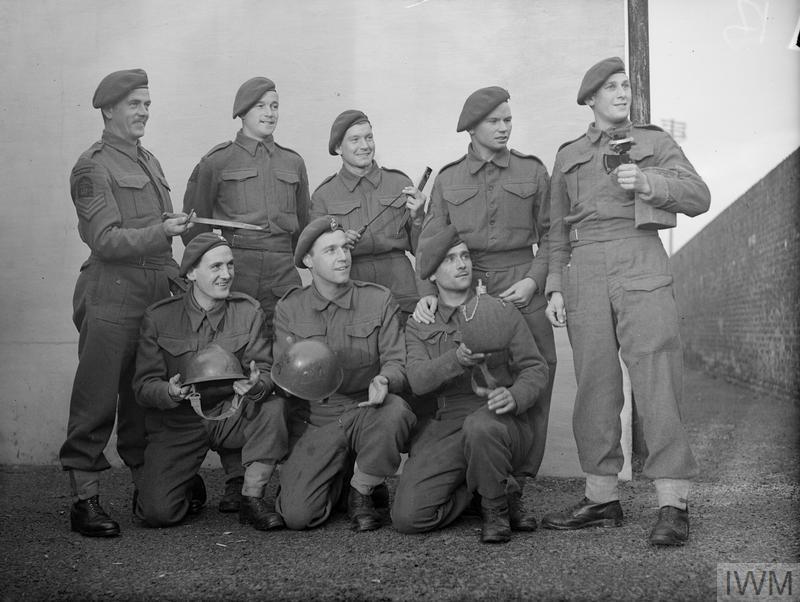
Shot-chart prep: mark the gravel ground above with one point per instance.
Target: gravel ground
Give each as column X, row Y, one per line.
column 744, row 508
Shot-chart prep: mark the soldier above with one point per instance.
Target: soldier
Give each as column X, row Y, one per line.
column 496, row 198
column 363, row 191
column 479, row 440
column 175, row 354
column 120, row 193
column 617, row 288
column 365, row 416
column 257, row 181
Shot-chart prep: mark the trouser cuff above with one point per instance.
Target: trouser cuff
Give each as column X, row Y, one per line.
column 672, row 492
column 601, row 489
column 364, row 483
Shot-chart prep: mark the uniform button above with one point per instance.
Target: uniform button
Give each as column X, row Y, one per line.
column 491, row 223
column 491, row 187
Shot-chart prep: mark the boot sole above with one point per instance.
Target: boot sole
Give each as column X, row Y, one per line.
column 667, row 541
column 603, row 522
column 105, row 533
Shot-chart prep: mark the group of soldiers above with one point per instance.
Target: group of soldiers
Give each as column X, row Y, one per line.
column 449, row 358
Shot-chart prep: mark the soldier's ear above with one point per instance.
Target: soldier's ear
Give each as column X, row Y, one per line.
column 307, row 260
column 432, row 277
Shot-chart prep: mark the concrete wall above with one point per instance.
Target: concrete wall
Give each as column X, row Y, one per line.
column 409, row 65
column 737, row 285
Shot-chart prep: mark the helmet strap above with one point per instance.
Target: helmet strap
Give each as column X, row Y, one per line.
column 194, row 398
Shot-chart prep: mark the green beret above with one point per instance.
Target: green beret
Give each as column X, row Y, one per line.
column 316, row 228
column 435, row 240
column 479, row 104
column 249, row 93
column 597, row 75
column 199, row 246
column 340, row 126
column 116, row 86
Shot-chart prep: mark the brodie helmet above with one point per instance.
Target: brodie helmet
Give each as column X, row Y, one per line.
column 212, row 372
column 308, row 370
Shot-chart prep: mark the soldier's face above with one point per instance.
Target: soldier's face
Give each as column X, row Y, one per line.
column 493, row 132
column 329, row 259
column 455, row 271
column 611, row 103
column 358, row 148
column 262, row 118
column 212, row 276
column 129, row 116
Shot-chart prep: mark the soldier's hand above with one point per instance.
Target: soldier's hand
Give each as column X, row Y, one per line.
column 352, row 237
column 519, row 293
column 630, row 177
column 175, row 224
column 425, row 311
column 378, row 390
column 465, row 357
column 501, row 401
column 243, row 386
column 177, row 391
column 556, row 312
column 415, row 200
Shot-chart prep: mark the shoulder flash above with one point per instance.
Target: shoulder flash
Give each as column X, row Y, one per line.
column 325, row 181
column 525, row 156
column 219, row 147
column 566, row 144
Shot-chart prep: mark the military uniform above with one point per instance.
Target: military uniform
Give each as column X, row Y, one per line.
column 259, row 183
column 467, row 448
column 380, row 255
column 499, row 208
column 173, row 330
column 362, row 327
column 120, row 192
column 617, row 286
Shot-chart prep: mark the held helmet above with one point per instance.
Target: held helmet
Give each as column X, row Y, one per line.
column 486, row 324
column 308, row 370
column 212, row 371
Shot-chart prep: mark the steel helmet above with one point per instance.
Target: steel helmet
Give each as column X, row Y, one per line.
column 308, row 370
column 212, row 371
column 486, row 324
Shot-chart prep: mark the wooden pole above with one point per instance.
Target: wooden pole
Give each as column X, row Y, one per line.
column 639, row 60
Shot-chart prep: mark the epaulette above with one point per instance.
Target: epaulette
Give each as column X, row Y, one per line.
column 397, row 171
column 239, row 296
column 525, row 156
column 648, row 126
column 287, row 149
column 325, row 181
column 456, row 162
column 365, row 284
column 219, row 147
column 94, row 148
column 165, row 301
column 295, row 289
column 568, row 142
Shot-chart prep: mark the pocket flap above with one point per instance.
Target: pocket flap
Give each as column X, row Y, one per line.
column 640, row 151
column 392, row 201
column 572, row 162
column 647, row 283
column 137, row 181
column 239, row 174
column 234, row 342
column 362, row 329
column 289, row 177
column 177, row 346
column 456, row 196
column 520, row 189
column 308, row 330
column 343, row 206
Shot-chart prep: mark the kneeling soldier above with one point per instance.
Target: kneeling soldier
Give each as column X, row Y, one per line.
column 364, row 417
column 188, row 344
column 481, row 437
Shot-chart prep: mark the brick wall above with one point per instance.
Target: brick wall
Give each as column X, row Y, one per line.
column 738, row 287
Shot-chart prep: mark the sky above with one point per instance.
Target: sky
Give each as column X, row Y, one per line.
column 729, row 70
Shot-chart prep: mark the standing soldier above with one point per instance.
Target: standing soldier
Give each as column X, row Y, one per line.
column 120, row 194
column 496, row 198
column 617, row 287
column 256, row 181
column 361, row 192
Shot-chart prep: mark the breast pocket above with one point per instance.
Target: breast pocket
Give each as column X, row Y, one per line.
column 180, row 350
column 347, row 212
column 285, row 197
column 235, row 342
column 362, row 348
column 516, row 205
column 391, row 221
column 463, row 207
column 240, row 191
column 437, row 342
column 136, row 196
column 571, row 169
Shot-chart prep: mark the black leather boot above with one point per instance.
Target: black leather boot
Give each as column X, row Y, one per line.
column 260, row 513
column 232, row 498
column 362, row 512
column 88, row 518
column 496, row 527
column 519, row 518
column 585, row 514
column 672, row 527
column 197, row 494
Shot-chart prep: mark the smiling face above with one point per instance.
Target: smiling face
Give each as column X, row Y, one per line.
column 329, row 260
column 128, row 117
column 491, row 135
column 261, row 119
column 212, row 276
column 357, row 148
column 611, row 103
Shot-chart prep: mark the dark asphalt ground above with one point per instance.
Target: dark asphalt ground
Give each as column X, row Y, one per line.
column 744, row 508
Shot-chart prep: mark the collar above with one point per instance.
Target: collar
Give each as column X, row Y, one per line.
column 351, row 180
column 343, row 300
column 197, row 314
column 475, row 162
column 446, row 311
column 251, row 144
column 131, row 149
column 594, row 133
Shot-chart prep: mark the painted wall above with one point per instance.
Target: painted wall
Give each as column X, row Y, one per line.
column 409, row 65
